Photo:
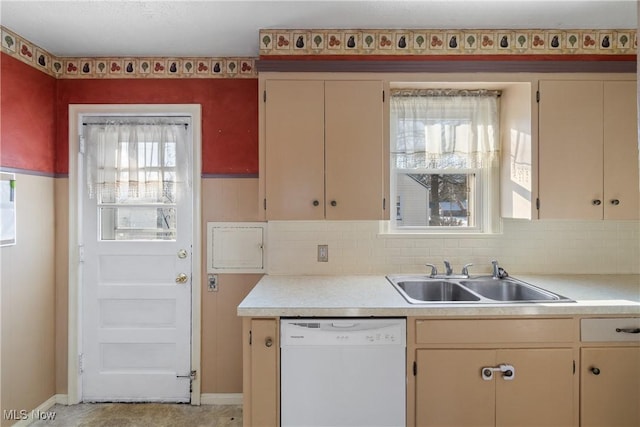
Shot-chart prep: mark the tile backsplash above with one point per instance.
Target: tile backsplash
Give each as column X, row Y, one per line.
column 537, row 247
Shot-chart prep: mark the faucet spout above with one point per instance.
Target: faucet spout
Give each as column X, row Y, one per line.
column 447, row 267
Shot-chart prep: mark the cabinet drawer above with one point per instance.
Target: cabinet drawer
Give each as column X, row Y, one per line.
column 623, row 329
column 494, row 331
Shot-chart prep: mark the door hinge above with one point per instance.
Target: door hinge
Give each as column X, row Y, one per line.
column 81, row 363
column 249, row 337
column 191, row 376
column 81, row 144
column 384, row 203
column 537, row 203
column 264, row 204
column 264, row 96
column 382, row 96
column 80, row 253
column 537, row 96
column 415, row 368
column 574, row 367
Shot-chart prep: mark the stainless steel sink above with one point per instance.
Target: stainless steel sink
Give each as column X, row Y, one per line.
column 473, row 290
column 509, row 290
column 417, row 291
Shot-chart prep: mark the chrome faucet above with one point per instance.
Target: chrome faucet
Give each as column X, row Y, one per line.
column 447, row 268
column 465, row 270
column 434, row 270
column 498, row 272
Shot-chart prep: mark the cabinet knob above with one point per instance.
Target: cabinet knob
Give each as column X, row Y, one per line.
column 615, row 202
column 316, row 203
column 595, row 371
column 268, row 342
column 334, row 203
column 596, row 202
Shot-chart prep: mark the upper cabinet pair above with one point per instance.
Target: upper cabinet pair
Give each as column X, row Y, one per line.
column 588, row 142
column 323, row 150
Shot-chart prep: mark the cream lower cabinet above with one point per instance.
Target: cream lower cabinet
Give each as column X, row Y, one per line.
column 466, row 374
column 260, row 372
column 610, row 373
column 323, row 149
column 588, row 150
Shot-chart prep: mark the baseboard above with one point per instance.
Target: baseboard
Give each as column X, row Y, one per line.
column 41, row 412
column 221, row 399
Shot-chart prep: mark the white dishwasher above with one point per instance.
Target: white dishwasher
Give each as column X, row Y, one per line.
column 343, row 372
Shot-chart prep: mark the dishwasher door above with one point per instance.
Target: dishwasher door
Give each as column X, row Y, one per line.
column 343, row 372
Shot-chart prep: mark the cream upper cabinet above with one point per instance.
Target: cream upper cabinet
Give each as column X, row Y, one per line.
column 323, row 150
column 588, row 150
column 621, row 183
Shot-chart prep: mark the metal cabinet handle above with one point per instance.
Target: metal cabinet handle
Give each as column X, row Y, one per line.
column 615, row 202
column 628, row 330
column 596, row 202
column 316, row 203
column 268, row 342
column 334, row 203
column 595, row 371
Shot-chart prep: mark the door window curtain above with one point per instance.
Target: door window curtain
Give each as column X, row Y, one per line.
column 444, row 129
column 133, row 161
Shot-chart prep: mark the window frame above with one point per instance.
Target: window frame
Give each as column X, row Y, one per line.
column 485, row 196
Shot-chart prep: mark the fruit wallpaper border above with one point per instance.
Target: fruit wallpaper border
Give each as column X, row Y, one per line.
column 330, row 42
column 125, row 68
column 448, row 42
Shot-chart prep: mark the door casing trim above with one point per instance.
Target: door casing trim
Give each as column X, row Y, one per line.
column 76, row 111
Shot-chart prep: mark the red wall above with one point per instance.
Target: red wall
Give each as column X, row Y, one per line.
column 27, row 105
column 229, row 114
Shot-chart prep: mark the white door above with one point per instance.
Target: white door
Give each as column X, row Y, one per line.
column 136, row 262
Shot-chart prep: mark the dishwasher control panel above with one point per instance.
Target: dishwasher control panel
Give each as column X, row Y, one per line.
column 345, row 332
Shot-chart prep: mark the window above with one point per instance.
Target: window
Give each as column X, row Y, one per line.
column 132, row 172
column 444, row 159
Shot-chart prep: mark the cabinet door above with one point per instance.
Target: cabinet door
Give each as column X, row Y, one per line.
column 621, row 151
column 294, row 149
column 541, row 392
column 610, row 398
column 570, row 149
column 450, row 390
column 354, row 150
column 263, row 384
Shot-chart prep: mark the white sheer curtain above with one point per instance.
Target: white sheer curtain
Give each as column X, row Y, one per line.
column 128, row 160
column 444, row 129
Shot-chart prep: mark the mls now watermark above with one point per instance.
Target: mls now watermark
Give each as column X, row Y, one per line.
column 23, row 414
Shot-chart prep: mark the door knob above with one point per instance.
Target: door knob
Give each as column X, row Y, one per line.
column 268, row 342
column 182, row 254
column 595, row 371
column 182, row 278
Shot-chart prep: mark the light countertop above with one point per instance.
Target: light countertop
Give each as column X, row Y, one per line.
column 351, row 296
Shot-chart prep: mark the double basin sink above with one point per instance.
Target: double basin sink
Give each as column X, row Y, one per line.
column 479, row 290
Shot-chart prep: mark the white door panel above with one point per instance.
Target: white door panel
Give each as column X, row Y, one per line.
column 136, row 318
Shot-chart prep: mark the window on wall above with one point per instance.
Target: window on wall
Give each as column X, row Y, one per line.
column 133, row 173
column 444, row 159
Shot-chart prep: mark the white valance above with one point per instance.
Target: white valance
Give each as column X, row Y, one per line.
column 133, row 160
column 444, row 129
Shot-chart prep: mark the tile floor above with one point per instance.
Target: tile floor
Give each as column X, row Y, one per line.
column 143, row 415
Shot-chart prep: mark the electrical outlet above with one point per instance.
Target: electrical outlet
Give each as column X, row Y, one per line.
column 323, row 253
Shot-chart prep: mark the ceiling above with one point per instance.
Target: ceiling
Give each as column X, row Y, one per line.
column 230, row 28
